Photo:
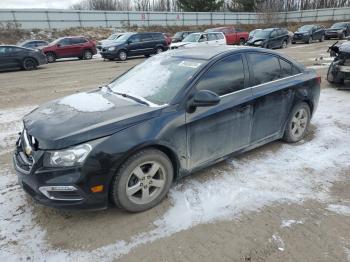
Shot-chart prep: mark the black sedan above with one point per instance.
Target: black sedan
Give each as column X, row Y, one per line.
column 12, row 57
column 169, row 116
column 309, row 33
column 270, row 38
column 338, row 30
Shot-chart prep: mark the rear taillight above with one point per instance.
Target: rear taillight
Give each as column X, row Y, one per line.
column 318, row 79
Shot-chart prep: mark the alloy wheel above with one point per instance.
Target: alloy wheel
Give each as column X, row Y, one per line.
column 87, row 55
column 146, row 182
column 122, row 56
column 29, row 64
column 159, row 50
column 299, row 123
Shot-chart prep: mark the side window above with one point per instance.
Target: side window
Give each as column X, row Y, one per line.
column 65, row 41
column 266, row 67
column 146, row 37
column 286, row 68
column 203, row 38
column 219, row 36
column 135, row 39
column 2, row 50
column 225, row 77
column 211, row 37
column 75, row 41
column 273, row 34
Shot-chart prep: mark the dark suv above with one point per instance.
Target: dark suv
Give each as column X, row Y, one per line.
column 270, row 38
column 338, row 30
column 308, row 33
column 135, row 44
column 73, row 46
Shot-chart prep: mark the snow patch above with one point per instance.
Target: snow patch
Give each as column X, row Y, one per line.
column 339, row 209
column 323, row 65
column 87, row 102
column 278, row 241
column 289, row 222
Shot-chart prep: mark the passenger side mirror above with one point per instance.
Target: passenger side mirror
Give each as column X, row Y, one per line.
column 204, row 98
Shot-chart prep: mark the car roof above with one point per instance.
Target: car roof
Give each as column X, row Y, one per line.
column 207, row 53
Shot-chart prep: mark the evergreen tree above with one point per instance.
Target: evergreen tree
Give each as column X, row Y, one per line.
column 200, row 5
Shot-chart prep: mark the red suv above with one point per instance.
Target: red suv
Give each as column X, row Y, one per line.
column 72, row 46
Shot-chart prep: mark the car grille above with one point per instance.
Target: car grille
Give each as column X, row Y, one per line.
column 24, row 157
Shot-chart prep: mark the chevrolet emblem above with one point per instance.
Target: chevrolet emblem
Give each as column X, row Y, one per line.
column 28, row 150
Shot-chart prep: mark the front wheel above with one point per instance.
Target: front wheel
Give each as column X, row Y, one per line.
column 143, row 181
column 297, row 124
column 241, row 41
column 159, row 50
column 284, row 44
column 51, row 57
column 122, row 55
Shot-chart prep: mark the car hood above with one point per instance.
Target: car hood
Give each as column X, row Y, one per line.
column 334, row 29
column 110, row 44
column 180, row 44
column 106, row 42
column 301, row 32
column 84, row 116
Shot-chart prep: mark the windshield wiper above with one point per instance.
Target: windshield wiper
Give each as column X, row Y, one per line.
column 126, row 95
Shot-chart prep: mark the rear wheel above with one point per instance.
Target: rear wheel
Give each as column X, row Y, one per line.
column 29, row 64
column 284, row 44
column 122, row 55
column 241, row 41
column 51, row 57
column 298, row 122
column 143, row 181
column 87, row 55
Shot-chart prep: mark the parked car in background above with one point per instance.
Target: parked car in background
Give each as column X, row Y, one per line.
column 309, row 33
column 33, row 44
column 179, row 36
column 339, row 69
column 168, row 38
column 72, row 46
column 233, row 36
column 12, row 57
column 135, row 44
column 338, row 30
column 201, row 39
column 252, row 33
column 108, row 41
column 270, row 38
column 168, row 117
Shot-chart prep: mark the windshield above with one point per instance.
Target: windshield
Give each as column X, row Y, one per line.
column 192, row 38
column 122, row 38
column 305, row 28
column 158, row 79
column 262, row 33
column 338, row 25
column 178, row 35
column 112, row 37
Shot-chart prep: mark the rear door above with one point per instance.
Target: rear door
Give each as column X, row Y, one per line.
column 77, row 45
column 273, row 92
column 217, row 131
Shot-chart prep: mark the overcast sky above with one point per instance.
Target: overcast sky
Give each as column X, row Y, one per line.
column 60, row 4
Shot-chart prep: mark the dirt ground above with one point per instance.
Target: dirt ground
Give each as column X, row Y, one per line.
column 276, row 203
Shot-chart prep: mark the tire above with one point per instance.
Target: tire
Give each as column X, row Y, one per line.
column 297, row 123
column 309, row 40
column 330, row 77
column 51, row 57
column 87, row 55
column 284, row 44
column 149, row 170
column 29, row 64
column 241, row 41
column 322, row 38
column 122, row 55
column 159, row 50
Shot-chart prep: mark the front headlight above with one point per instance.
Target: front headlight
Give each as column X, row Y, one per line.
column 258, row 42
column 73, row 156
column 112, row 48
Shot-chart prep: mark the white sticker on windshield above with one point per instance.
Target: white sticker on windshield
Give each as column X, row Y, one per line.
column 189, row 64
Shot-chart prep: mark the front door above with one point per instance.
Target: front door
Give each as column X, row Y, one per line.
column 135, row 45
column 214, row 132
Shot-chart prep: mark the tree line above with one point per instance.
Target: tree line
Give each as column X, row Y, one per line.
column 208, row 5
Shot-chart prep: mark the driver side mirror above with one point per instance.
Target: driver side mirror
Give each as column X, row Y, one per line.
column 203, row 98
column 58, row 45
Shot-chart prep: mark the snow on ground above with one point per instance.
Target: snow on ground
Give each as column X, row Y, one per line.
column 339, row 209
column 292, row 173
column 289, row 222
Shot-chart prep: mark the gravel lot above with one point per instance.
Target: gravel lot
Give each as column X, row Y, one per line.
column 280, row 202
